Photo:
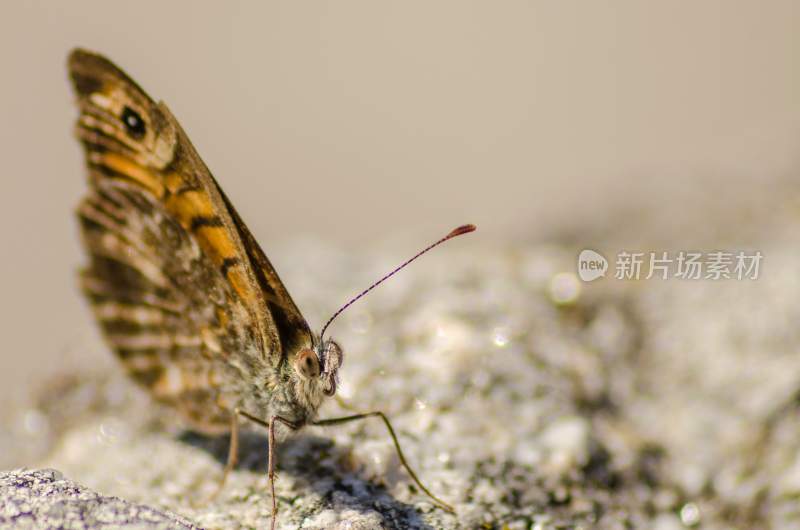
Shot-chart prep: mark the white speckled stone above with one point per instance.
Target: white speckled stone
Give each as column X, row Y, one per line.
column 524, row 401
column 43, row 499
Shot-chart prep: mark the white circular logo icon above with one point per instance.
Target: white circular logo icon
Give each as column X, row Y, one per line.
column 591, row 265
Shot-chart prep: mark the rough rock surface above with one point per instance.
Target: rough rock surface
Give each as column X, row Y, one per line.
column 521, row 395
column 45, row 499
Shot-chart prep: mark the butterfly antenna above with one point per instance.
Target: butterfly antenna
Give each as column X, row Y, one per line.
column 464, row 229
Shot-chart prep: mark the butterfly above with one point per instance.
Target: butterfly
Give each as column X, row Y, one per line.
column 181, row 290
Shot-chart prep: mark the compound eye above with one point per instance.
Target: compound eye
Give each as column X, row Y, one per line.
column 307, row 364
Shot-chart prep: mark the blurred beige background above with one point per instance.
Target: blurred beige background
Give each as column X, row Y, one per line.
column 353, row 121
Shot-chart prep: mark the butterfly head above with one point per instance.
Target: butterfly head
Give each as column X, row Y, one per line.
column 320, row 365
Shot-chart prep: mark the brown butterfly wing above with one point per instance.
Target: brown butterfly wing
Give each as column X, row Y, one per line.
column 293, row 329
column 182, row 292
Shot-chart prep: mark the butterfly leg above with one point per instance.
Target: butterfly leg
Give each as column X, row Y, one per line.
column 271, row 453
column 233, row 456
column 271, row 470
column 233, row 450
column 382, row 416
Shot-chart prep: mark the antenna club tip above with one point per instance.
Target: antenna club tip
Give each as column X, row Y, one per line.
column 463, row 229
